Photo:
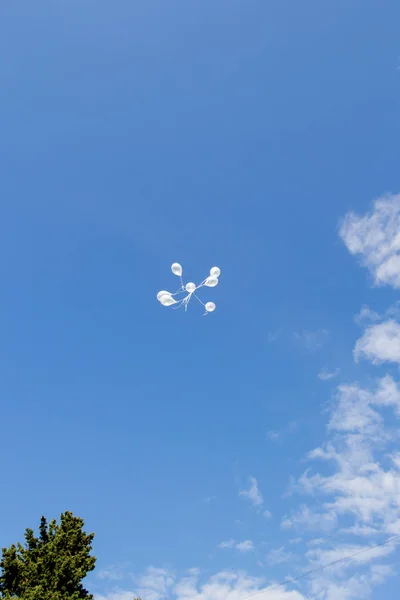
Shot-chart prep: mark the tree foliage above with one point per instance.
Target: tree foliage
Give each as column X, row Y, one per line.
column 50, row 566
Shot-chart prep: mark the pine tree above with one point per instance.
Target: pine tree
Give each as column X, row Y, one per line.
column 51, row 566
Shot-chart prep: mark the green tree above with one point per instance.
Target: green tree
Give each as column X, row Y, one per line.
column 51, row 566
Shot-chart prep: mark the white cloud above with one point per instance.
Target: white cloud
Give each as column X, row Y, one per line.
column 366, row 315
column 380, row 343
column 328, row 586
column 346, row 553
column 357, row 494
column 116, row 595
column 308, row 519
column 253, row 493
column 297, row 540
column 353, row 412
column 273, row 435
column 155, row 584
column 336, row 583
column 360, row 487
column 111, row 573
column 244, row 546
column 227, row 544
column 381, row 572
column 394, row 310
column 233, row 586
column 279, row 556
column 316, row 542
column 361, row 530
column 225, row 585
column 267, row 514
column 375, row 237
column 326, row 375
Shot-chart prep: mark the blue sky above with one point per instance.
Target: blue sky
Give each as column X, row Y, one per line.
column 242, row 134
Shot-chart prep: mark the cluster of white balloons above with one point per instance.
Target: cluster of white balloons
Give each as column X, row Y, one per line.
column 168, row 299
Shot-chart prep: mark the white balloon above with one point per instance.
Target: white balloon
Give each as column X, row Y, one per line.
column 162, row 293
column 215, row 272
column 176, row 269
column 167, row 300
column 211, row 281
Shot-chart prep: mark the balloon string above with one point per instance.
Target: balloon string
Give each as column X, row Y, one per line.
column 185, row 301
column 181, row 289
column 179, row 304
column 202, row 283
column 201, row 302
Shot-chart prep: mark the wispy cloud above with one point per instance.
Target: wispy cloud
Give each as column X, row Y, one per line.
column 316, row 542
column 375, row 237
column 279, row 556
column 245, row 546
column 111, row 573
column 117, row 594
column 361, row 488
column 222, row 585
column 227, row 544
column 366, row 315
column 308, row 519
column 155, row 583
column 253, row 493
column 326, row 375
column 325, row 556
column 312, row 340
column 360, row 495
column 275, row 435
column 297, row 540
